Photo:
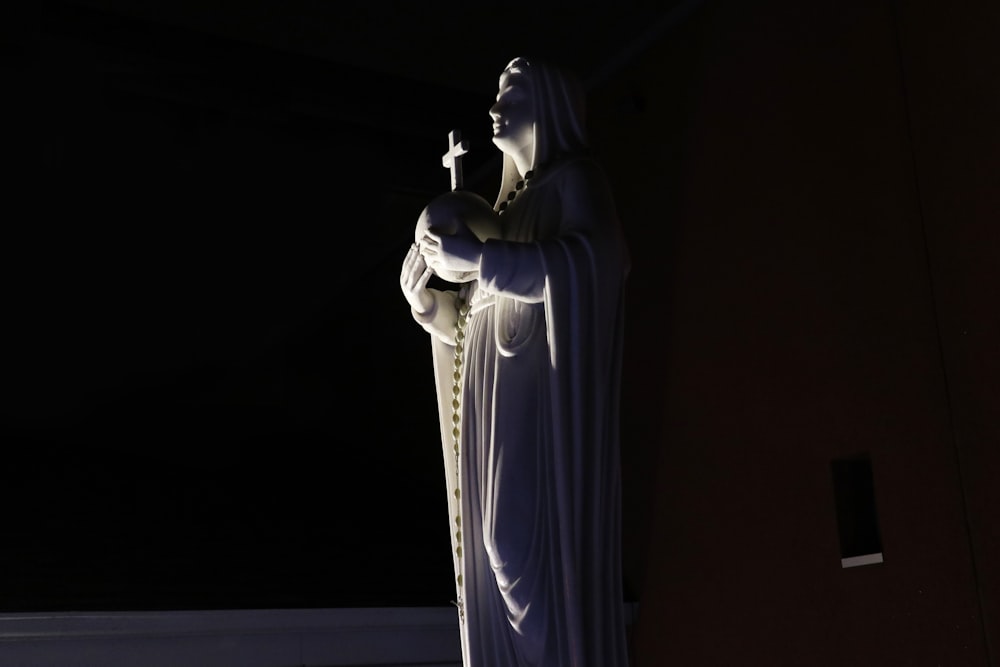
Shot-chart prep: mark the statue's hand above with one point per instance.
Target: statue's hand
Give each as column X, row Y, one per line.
column 413, row 281
column 459, row 252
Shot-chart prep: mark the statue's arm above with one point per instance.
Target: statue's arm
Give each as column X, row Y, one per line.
column 433, row 309
column 439, row 320
column 587, row 221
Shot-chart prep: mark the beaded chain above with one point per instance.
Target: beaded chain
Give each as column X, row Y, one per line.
column 456, row 418
column 516, row 191
column 456, row 404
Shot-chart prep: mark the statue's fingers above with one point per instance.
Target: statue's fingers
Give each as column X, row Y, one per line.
column 415, row 268
column 414, row 261
column 425, row 277
column 406, row 270
column 412, row 265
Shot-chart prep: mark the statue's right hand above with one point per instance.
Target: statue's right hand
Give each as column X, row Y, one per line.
column 413, row 280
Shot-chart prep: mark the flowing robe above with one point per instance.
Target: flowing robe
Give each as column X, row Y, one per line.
column 534, row 486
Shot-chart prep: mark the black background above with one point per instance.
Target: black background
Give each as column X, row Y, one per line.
column 214, row 394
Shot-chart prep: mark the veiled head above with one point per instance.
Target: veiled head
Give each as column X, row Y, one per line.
column 514, row 115
column 549, row 98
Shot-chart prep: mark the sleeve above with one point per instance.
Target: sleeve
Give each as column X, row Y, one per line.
column 517, row 270
column 440, row 320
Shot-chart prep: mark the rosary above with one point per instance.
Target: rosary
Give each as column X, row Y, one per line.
column 452, row 160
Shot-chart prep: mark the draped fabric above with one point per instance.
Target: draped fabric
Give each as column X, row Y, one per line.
column 534, row 491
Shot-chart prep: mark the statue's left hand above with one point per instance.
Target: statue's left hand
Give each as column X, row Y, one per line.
column 413, row 278
column 459, row 252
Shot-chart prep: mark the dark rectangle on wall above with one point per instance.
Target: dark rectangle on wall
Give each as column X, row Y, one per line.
column 857, row 518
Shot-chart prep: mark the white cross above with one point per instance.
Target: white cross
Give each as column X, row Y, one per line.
column 453, row 158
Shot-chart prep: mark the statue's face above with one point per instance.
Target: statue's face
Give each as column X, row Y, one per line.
column 513, row 115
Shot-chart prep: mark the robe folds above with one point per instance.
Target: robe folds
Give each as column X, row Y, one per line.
column 534, row 488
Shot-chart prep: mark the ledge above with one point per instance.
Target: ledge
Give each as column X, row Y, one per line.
column 383, row 636
column 239, row 638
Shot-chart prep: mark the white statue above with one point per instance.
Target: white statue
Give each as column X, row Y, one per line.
column 527, row 357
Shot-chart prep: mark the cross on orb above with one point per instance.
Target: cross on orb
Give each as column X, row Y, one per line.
column 453, row 158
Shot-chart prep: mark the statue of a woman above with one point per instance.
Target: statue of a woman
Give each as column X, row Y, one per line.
column 527, row 356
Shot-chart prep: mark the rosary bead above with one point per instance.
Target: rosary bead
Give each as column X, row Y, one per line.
column 456, row 418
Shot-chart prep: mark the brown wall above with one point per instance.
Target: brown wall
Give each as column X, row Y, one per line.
column 809, row 190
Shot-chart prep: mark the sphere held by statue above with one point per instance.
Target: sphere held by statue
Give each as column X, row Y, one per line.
column 447, row 212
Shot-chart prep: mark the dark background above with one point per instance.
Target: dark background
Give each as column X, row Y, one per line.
column 216, row 396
